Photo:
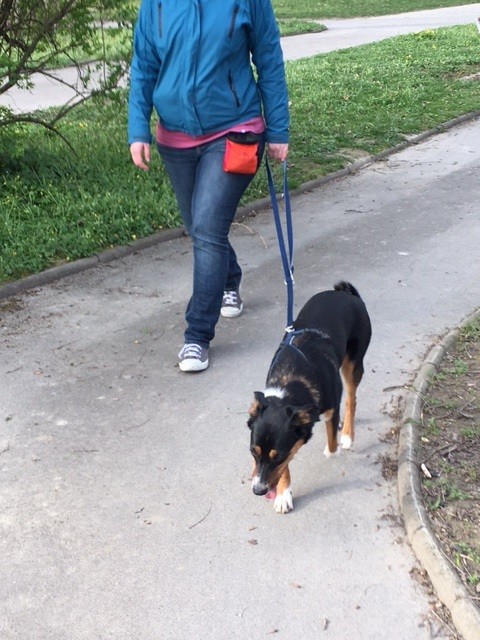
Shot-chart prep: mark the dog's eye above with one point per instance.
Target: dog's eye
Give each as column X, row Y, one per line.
column 277, row 457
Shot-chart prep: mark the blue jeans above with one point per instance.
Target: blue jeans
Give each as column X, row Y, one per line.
column 208, row 198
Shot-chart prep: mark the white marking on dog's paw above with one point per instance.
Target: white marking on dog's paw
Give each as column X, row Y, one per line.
column 283, row 502
column 346, row 441
column 327, row 453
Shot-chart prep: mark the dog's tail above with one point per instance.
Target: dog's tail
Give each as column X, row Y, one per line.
column 348, row 287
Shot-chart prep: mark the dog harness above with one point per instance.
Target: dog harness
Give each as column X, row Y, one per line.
column 287, row 342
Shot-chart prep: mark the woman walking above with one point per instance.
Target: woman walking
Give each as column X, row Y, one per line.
column 192, row 63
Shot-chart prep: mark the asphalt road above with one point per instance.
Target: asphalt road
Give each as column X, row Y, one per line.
column 125, row 505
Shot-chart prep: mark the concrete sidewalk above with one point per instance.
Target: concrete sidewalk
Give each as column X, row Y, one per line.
column 125, row 505
column 126, row 510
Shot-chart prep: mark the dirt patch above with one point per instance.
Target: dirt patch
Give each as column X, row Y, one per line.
column 11, row 305
column 473, row 77
column 450, row 456
column 389, row 466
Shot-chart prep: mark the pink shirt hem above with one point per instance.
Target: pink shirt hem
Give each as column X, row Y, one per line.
column 180, row 140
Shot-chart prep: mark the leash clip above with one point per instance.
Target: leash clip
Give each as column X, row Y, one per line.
column 290, row 329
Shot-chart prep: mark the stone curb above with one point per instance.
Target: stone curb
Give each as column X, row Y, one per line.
column 60, row 271
column 446, row 582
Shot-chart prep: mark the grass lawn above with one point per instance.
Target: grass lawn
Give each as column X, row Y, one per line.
column 59, row 204
column 296, row 26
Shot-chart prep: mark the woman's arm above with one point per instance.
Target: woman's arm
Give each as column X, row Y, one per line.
column 144, row 71
column 267, row 57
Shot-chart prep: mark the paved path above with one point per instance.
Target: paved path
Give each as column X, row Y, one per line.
column 125, row 507
column 342, row 34
column 125, row 504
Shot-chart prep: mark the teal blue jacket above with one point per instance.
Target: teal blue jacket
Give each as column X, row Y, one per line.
column 192, row 63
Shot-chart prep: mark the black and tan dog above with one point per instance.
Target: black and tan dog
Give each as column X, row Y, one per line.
column 330, row 336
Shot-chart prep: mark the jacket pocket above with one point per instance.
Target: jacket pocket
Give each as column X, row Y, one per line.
column 231, row 28
column 159, row 16
column 232, row 89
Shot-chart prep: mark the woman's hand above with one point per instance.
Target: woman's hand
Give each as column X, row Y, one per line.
column 140, row 152
column 277, row 151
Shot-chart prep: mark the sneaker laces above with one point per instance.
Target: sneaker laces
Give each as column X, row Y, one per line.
column 191, row 351
column 230, row 298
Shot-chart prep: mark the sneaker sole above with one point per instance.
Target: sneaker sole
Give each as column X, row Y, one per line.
column 192, row 365
column 231, row 312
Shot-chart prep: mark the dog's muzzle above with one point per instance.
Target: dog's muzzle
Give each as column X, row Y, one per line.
column 259, row 488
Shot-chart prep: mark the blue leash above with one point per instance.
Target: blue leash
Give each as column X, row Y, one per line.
column 287, row 259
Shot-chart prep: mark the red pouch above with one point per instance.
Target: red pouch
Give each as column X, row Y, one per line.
column 241, row 154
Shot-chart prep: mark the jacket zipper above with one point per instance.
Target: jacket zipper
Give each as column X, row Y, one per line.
column 232, row 21
column 159, row 15
column 232, row 88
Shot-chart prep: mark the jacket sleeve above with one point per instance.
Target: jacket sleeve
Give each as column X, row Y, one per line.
column 267, row 57
column 144, row 71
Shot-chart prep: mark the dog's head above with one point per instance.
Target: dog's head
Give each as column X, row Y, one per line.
column 278, row 430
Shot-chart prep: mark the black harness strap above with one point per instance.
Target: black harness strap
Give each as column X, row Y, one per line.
column 288, row 342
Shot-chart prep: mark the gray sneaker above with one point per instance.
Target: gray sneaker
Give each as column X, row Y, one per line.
column 232, row 305
column 193, row 357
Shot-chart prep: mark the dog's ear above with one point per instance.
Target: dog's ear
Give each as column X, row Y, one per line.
column 258, row 405
column 259, row 397
column 301, row 416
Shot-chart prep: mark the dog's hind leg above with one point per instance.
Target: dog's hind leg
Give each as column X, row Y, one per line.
column 352, row 375
column 332, row 420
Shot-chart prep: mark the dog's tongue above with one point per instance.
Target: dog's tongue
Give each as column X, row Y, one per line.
column 272, row 494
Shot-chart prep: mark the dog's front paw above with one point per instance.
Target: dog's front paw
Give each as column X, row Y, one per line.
column 283, row 502
column 346, row 441
column 328, row 453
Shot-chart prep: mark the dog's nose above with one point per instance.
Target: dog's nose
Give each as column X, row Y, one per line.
column 260, row 489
